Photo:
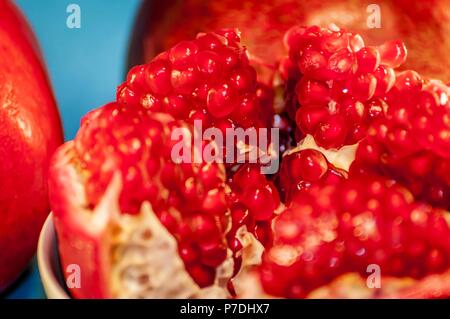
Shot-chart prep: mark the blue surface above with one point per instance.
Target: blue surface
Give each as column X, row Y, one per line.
column 85, row 67
column 85, row 64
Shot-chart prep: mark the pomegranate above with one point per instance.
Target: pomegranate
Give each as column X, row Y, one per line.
column 333, row 229
column 419, row 24
column 411, row 143
column 30, row 130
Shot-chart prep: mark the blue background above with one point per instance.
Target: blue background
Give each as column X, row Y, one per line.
column 85, row 66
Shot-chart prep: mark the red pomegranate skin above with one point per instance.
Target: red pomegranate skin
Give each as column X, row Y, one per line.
column 422, row 25
column 30, row 130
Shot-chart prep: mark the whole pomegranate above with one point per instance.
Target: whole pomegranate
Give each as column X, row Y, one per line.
column 30, row 130
column 420, row 24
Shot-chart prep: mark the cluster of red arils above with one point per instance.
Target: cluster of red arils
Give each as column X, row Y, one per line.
column 338, row 228
column 208, row 78
column 336, row 84
column 190, row 199
column 389, row 209
column 412, row 142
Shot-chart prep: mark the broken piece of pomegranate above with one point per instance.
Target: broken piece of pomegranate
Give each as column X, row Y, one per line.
column 119, row 160
column 336, row 84
column 331, row 230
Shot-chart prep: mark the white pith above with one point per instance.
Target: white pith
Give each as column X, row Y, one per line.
column 341, row 158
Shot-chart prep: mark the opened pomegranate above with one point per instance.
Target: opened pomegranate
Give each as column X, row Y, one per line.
column 411, row 144
column 30, row 130
column 142, row 223
column 333, row 229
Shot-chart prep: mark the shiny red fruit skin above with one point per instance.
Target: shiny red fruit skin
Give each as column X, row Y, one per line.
column 420, row 24
column 30, row 130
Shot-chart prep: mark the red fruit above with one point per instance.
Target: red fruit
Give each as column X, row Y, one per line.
column 210, row 74
column 136, row 146
column 339, row 82
column 30, row 130
column 411, row 143
column 421, row 25
column 331, row 230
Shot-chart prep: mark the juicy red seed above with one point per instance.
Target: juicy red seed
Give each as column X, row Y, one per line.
column 209, row 41
column 392, row 53
column 332, row 133
column 260, row 202
column 263, row 232
column 246, row 113
column 209, row 63
column 334, row 41
column 211, row 176
column 239, row 216
column 185, row 78
column 243, row 80
column 235, row 245
column 203, row 227
column 311, row 165
column 136, row 77
column 182, row 51
column 151, row 103
column 213, row 254
column 126, row 96
column 342, row 64
column 158, row 74
column 230, row 57
column 189, row 253
column 363, row 87
column 385, row 80
column 409, row 80
column 177, row 106
column 214, row 202
column 368, row 60
column 312, row 63
column 312, row 92
column 309, row 118
column 221, row 101
column 204, row 276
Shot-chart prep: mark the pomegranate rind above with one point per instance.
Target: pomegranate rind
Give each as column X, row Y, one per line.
column 82, row 235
